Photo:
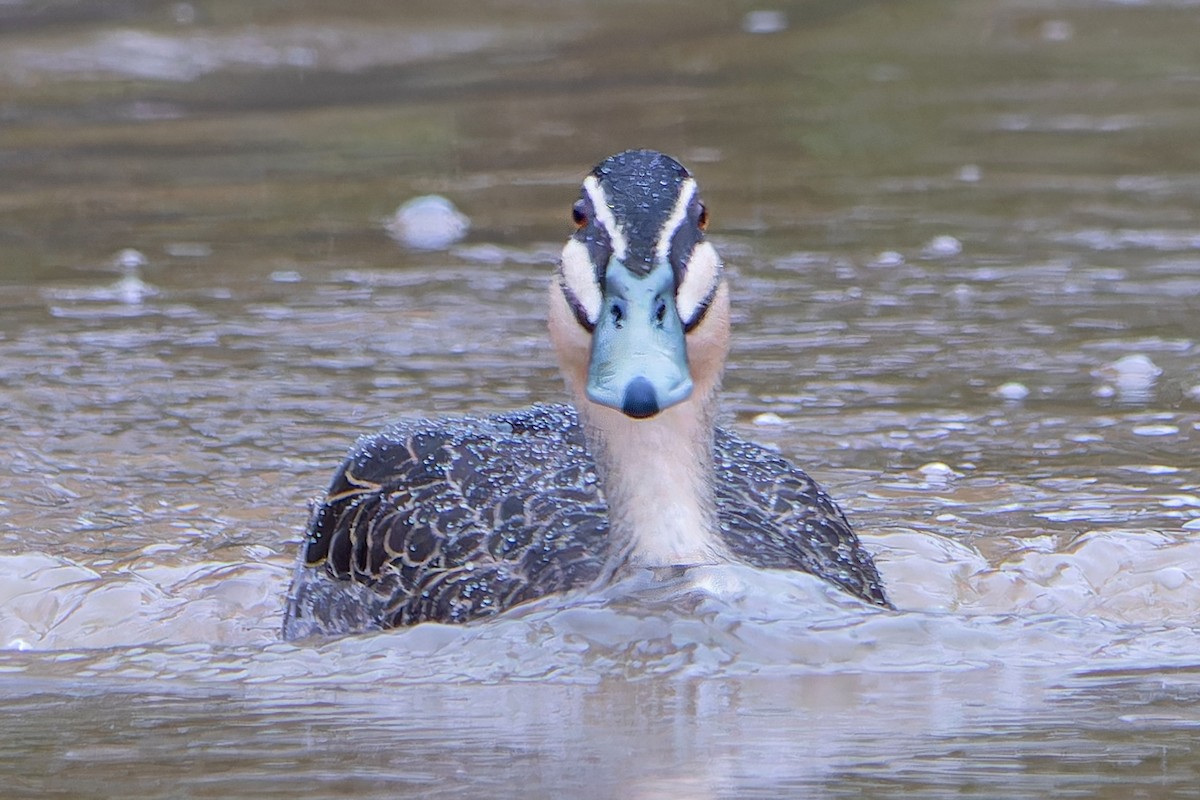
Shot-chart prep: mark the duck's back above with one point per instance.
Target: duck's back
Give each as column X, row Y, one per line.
column 449, row 521
column 463, row 518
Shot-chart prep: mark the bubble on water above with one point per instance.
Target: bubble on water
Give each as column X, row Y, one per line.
column 1172, row 578
column 1013, row 390
column 888, row 258
column 1131, row 377
column 130, row 260
column 937, row 472
column 768, row 419
column 970, row 173
column 764, row 22
column 429, row 222
column 943, row 246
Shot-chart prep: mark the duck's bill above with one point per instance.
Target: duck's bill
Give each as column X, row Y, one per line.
column 638, row 362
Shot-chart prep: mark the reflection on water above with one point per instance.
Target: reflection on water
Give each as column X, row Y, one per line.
column 963, row 243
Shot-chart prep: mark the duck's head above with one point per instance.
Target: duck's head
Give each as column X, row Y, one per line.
column 639, row 313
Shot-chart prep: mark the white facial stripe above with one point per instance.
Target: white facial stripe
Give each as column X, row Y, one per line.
column 579, row 278
column 699, row 281
column 686, row 192
column 605, row 217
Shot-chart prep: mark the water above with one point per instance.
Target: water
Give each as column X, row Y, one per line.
column 966, row 271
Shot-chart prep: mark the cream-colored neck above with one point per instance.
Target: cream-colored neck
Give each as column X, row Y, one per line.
column 658, row 479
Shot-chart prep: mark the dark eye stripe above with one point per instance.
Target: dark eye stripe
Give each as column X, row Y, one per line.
column 581, row 314
column 701, row 310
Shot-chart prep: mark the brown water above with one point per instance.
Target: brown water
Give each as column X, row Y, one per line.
column 966, row 263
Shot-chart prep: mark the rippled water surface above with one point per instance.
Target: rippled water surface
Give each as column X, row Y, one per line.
column 965, row 253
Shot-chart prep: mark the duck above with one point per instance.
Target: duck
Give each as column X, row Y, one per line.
column 460, row 519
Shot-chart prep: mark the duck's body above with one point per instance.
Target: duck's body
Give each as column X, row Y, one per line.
column 464, row 518
column 457, row 519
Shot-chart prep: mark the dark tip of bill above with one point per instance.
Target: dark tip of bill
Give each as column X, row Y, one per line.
column 640, row 400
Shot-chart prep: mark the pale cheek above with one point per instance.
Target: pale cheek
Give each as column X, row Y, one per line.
column 579, row 277
column 703, row 271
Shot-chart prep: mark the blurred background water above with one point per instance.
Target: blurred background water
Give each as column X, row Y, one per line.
column 965, row 258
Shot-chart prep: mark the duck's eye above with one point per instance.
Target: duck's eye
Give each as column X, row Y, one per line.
column 702, row 220
column 578, row 214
